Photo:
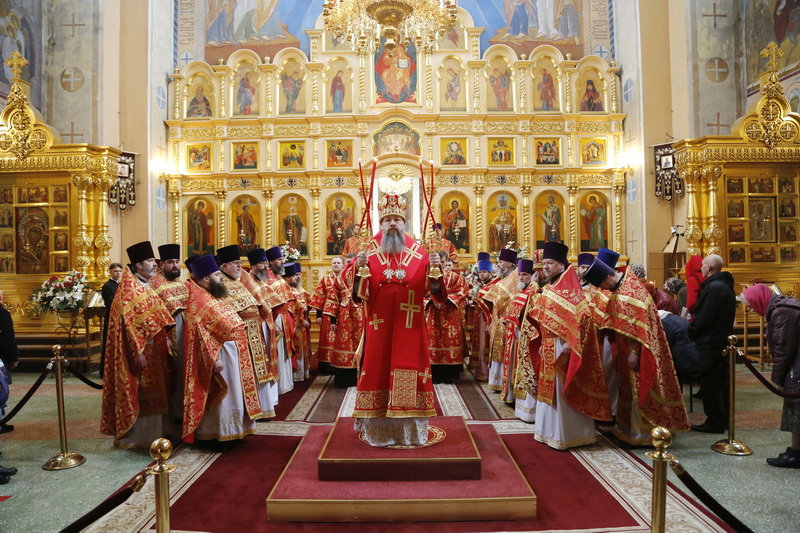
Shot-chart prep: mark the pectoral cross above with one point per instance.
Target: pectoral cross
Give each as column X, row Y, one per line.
column 375, row 322
column 410, row 309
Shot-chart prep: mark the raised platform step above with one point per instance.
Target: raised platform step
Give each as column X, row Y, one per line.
column 345, row 457
column 502, row 493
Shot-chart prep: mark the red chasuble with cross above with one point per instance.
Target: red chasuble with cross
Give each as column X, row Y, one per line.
column 395, row 378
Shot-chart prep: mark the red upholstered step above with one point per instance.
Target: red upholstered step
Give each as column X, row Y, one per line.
column 345, row 457
column 502, row 493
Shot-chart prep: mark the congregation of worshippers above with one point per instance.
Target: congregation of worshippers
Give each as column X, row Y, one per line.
column 573, row 348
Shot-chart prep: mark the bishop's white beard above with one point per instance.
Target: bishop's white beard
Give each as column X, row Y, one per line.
column 393, row 243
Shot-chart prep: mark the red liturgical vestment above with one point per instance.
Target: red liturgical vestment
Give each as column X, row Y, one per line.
column 395, row 378
column 138, row 316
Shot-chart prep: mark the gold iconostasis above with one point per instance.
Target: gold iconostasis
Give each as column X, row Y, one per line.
column 266, row 151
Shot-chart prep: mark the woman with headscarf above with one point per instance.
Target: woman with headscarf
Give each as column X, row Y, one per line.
column 783, row 336
column 694, row 277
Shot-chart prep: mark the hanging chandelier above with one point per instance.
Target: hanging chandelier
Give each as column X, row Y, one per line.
column 365, row 22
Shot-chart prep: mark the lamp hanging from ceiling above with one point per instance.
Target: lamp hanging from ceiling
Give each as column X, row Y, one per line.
column 365, row 22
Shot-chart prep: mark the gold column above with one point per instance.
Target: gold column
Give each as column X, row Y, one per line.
column 91, row 224
column 428, row 81
column 702, row 189
column 103, row 241
column 176, row 215
column 222, row 234
column 524, row 149
column 82, row 241
column 315, row 96
column 477, row 149
column 613, row 86
column 572, row 190
column 268, row 91
column 314, row 153
column 176, row 104
column 526, row 216
column 568, row 98
column 222, row 91
column 315, row 192
column 476, row 92
column 619, row 198
column 268, row 193
column 523, row 66
column 362, row 82
column 713, row 232
column 478, row 216
column 693, row 233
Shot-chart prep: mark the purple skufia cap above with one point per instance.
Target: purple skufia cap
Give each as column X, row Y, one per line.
column 597, row 272
column 259, row 255
column 585, row 258
column 203, row 266
column 274, row 253
column 191, row 259
column 290, row 269
column 484, row 256
column 609, row 257
column 486, row 265
column 507, row 254
column 139, row 252
column 525, row 266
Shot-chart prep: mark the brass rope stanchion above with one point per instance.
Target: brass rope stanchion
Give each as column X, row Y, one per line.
column 160, row 450
column 65, row 459
column 661, row 438
column 731, row 446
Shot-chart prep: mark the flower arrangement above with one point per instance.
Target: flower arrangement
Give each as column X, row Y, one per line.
column 290, row 253
column 61, row 294
column 473, row 279
column 522, row 250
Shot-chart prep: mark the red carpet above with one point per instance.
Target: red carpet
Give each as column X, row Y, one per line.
column 230, row 495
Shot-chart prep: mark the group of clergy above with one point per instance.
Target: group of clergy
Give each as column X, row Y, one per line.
column 202, row 359
column 571, row 347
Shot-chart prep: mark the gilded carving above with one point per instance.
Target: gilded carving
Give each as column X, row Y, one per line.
column 547, row 127
column 339, row 129
column 292, row 131
column 249, row 131
column 451, row 127
column 594, row 127
column 192, row 134
column 500, row 127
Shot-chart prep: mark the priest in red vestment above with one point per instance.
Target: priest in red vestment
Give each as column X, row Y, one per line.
column 349, row 319
column 394, row 397
column 173, row 292
column 649, row 393
column 482, row 320
column 136, row 374
column 325, row 301
column 445, row 324
column 571, row 390
column 220, row 396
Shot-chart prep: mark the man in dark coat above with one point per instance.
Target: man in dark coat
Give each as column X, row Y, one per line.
column 711, row 324
column 107, row 292
column 783, row 336
column 9, row 357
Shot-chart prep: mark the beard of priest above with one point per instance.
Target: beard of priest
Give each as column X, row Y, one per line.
column 394, row 396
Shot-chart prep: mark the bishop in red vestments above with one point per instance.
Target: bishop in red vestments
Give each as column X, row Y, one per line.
column 394, row 397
